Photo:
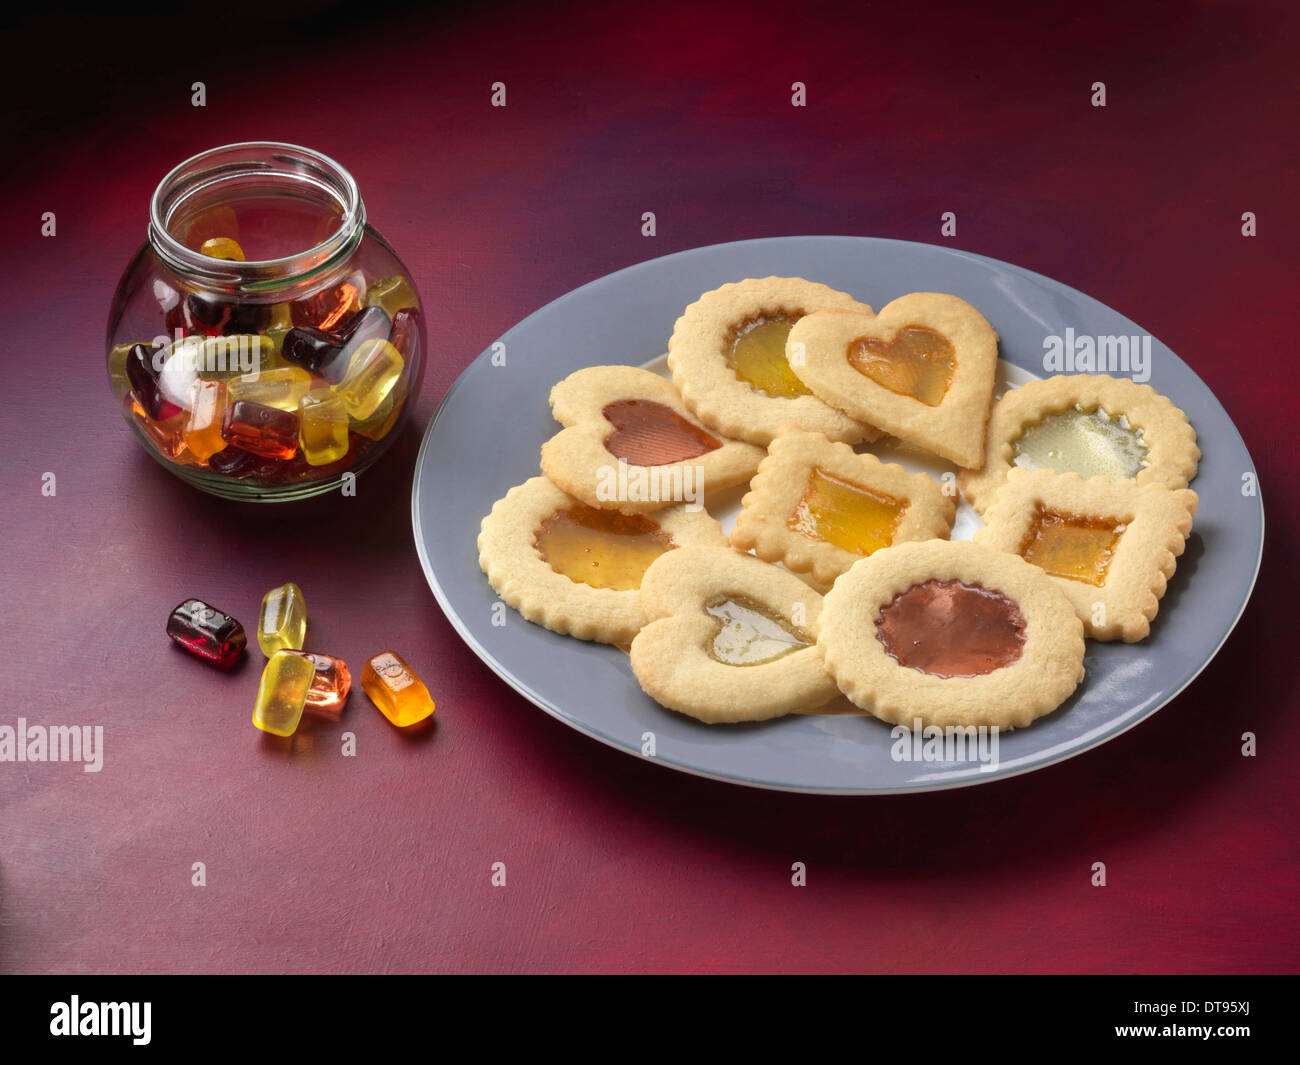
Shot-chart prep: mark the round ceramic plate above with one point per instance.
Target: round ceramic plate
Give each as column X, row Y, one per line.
column 487, row 434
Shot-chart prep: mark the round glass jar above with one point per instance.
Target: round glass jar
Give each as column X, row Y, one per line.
column 264, row 342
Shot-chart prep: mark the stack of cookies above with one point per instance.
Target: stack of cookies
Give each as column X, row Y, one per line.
column 839, row 580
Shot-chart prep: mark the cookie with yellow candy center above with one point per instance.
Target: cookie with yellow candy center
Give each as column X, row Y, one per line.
column 575, row 569
column 922, row 370
column 1110, row 546
column 951, row 634
column 728, row 359
column 728, row 638
column 818, row 506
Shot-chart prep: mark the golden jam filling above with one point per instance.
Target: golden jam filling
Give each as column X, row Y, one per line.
column 1079, row 549
column 846, row 514
column 758, row 357
column 748, row 635
column 650, row 434
column 1088, row 443
column 601, row 548
column 917, row 362
column 951, row 629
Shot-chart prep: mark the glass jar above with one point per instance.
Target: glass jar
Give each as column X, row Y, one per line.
column 264, row 342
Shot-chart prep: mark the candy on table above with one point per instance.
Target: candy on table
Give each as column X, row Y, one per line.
column 282, row 695
column 222, row 248
column 142, row 373
column 309, row 348
column 282, row 388
column 371, row 375
column 378, row 425
column 405, row 331
column 327, row 309
column 261, row 430
column 203, row 426
column 282, row 623
column 205, row 631
column 395, row 689
column 329, row 687
column 322, row 426
column 392, row 294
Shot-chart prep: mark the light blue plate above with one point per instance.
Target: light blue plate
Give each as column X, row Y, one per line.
column 487, row 434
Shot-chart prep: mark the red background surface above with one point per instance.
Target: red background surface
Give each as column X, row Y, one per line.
column 381, row 862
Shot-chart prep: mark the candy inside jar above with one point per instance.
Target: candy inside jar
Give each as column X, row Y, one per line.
column 266, row 342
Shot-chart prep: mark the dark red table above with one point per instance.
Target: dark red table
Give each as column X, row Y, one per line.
column 383, row 861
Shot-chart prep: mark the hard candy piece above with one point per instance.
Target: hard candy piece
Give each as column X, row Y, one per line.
column 395, row 689
column 205, row 631
column 322, row 426
column 282, row 695
column 282, row 623
column 262, row 430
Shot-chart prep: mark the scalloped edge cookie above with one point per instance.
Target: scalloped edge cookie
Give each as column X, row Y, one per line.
column 670, row 655
column 576, row 456
column 1172, row 455
column 1157, row 521
column 698, row 359
column 524, row 580
column 954, row 428
column 1049, row 669
column 763, row 523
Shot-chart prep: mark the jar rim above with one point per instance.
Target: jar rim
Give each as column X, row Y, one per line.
column 277, row 159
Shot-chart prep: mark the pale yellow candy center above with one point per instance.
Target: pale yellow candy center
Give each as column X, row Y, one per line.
column 1088, row 443
column 748, row 635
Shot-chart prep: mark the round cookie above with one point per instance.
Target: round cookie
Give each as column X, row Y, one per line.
column 976, row 637
column 536, row 528
column 728, row 638
column 727, row 357
column 1171, row 456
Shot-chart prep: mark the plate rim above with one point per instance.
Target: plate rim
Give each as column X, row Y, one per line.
column 582, row 727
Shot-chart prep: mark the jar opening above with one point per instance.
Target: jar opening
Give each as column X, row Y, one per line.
column 294, row 213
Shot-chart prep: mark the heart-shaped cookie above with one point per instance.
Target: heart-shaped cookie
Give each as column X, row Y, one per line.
column 632, row 445
column 728, row 638
column 922, row 370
